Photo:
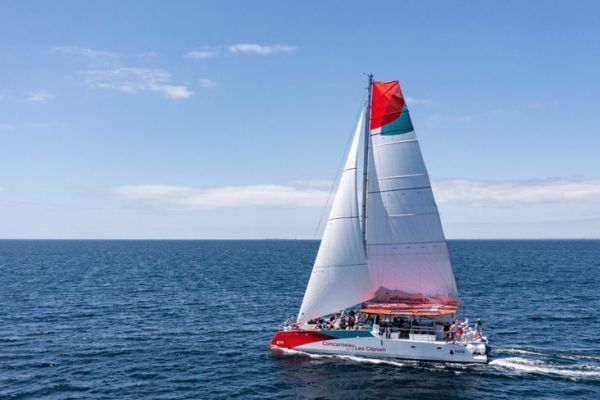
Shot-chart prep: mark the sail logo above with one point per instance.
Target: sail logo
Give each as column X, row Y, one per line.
column 354, row 347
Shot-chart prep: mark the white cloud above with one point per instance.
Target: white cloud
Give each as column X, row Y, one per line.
column 198, row 54
column 226, row 196
column 314, row 182
column 470, row 117
column 208, row 83
column 109, row 70
column 411, row 100
column 136, row 80
column 480, row 192
column 84, row 52
column 239, row 48
column 95, row 57
column 39, row 96
column 262, row 50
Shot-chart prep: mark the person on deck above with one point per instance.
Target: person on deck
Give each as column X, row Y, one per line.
column 459, row 332
column 452, row 331
column 351, row 322
column 479, row 328
column 388, row 332
column 447, row 331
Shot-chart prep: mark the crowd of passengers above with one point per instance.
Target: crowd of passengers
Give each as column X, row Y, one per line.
column 452, row 330
column 344, row 321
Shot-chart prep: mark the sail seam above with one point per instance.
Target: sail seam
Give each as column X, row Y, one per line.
column 394, row 244
column 391, row 133
column 396, row 142
column 401, row 176
column 398, row 190
column 331, row 219
column 411, row 215
column 338, row 266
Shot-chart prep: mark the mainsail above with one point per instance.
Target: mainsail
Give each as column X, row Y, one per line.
column 406, row 253
column 406, row 248
column 340, row 277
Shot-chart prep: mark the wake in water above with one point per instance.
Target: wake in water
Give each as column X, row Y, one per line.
column 541, row 367
column 564, row 364
column 384, row 361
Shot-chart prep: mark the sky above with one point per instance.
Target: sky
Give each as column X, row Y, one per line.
column 229, row 120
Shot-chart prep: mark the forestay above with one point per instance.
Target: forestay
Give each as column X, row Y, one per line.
column 340, row 276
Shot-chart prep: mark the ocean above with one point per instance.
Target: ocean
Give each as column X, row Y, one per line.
column 193, row 320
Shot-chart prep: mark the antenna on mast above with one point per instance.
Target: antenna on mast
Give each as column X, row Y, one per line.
column 366, row 163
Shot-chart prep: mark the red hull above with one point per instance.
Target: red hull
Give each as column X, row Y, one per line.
column 291, row 339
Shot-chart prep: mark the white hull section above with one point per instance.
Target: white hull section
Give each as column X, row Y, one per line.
column 397, row 348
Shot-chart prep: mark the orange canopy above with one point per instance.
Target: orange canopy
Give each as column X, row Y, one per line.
column 428, row 310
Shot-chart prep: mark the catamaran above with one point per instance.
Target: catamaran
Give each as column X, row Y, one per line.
column 382, row 284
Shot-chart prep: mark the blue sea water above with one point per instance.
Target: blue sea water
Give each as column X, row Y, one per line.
column 193, row 319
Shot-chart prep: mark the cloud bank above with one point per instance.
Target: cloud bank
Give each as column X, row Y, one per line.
column 481, row 192
column 225, row 196
column 314, row 193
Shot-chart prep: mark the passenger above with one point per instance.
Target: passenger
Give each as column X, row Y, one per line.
column 459, row 332
column 447, row 331
column 479, row 328
column 342, row 324
column 388, row 332
column 351, row 322
column 452, row 332
column 336, row 324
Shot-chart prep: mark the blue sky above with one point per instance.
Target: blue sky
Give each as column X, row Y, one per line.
column 229, row 119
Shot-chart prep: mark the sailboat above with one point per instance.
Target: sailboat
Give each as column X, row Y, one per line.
column 382, row 284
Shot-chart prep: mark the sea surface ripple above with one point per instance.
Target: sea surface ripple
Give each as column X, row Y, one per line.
column 192, row 320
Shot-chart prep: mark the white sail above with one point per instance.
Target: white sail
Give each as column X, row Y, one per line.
column 340, row 277
column 406, row 248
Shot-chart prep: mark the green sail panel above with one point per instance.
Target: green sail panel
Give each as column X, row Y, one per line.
column 401, row 125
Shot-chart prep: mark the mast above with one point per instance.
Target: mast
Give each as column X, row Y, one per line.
column 366, row 164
